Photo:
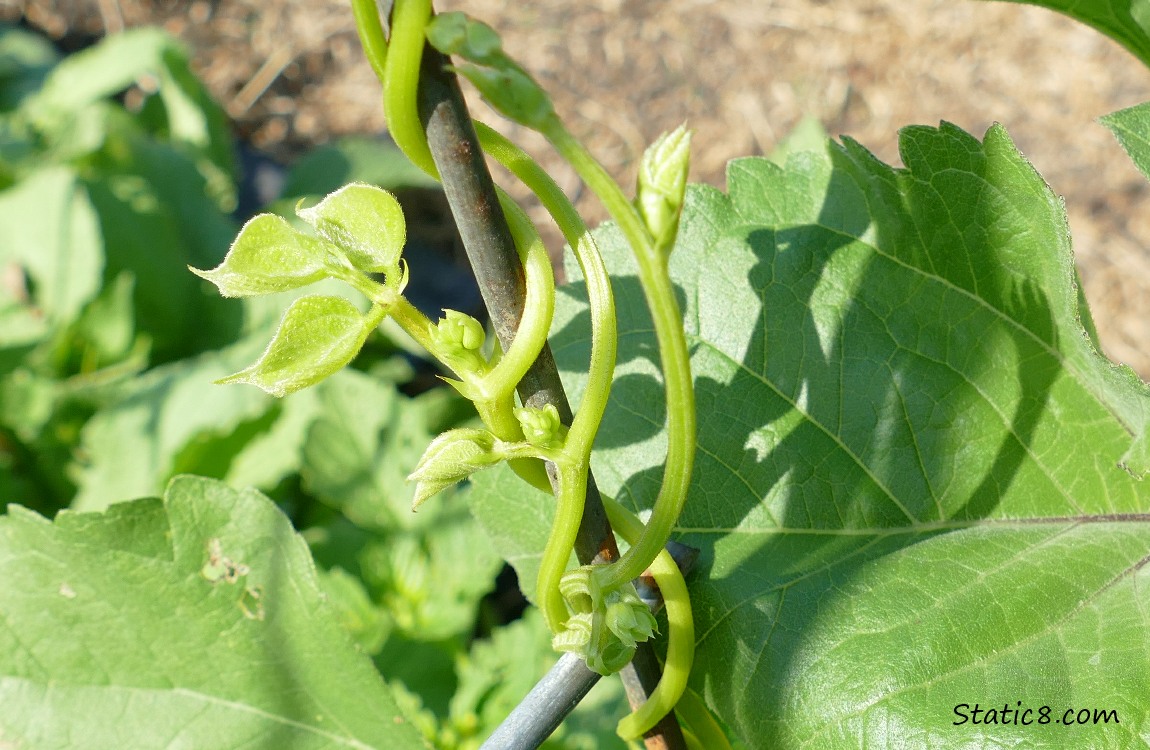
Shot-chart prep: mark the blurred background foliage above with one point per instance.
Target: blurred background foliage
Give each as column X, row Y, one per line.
column 117, row 171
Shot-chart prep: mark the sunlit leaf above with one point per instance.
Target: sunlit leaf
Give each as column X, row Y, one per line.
column 268, row 256
column 318, row 336
column 366, row 223
column 909, row 490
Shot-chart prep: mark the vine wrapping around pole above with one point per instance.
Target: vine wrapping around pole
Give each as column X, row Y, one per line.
column 487, row 241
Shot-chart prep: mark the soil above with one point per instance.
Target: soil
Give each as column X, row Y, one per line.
column 740, row 73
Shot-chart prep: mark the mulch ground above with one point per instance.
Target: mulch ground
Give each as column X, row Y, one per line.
column 740, row 73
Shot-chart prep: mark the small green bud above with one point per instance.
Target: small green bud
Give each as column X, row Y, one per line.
column 511, row 91
column 451, row 458
column 457, row 34
column 541, row 427
column 662, row 184
column 460, row 337
column 629, row 618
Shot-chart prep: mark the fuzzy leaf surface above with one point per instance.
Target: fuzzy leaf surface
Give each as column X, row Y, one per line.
column 162, row 651
column 318, row 336
column 366, row 223
column 908, row 492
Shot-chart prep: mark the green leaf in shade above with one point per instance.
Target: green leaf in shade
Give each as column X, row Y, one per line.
column 268, row 256
column 318, row 336
column 354, row 159
column 25, row 59
column 133, row 446
column 365, row 222
column 1125, row 21
column 909, row 490
column 143, row 55
column 430, row 568
column 48, row 228
column 358, row 453
column 1132, row 128
column 368, row 624
column 198, row 617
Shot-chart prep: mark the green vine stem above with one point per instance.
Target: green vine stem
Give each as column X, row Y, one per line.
column 398, row 68
column 401, row 72
column 680, row 394
column 680, row 629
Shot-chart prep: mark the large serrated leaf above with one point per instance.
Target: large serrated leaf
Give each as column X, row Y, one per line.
column 908, row 492
column 195, row 621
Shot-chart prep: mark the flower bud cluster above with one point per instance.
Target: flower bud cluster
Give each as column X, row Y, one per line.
column 459, row 338
column 604, row 629
column 541, row 427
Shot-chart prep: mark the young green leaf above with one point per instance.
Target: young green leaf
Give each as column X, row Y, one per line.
column 268, row 256
column 451, row 458
column 318, row 336
column 511, row 91
column 367, row 225
column 1131, row 126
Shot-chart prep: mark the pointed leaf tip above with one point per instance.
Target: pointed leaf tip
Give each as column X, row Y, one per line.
column 268, row 256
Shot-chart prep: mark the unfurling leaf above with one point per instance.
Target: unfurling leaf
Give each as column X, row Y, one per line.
column 541, row 427
column 451, row 458
column 268, row 256
column 663, row 184
column 317, row 337
column 367, row 225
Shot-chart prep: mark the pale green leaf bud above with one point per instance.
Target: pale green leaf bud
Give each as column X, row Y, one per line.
column 451, row 458
column 629, row 618
column 662, row 184
column 541, row 427
column 457, row 34
column 459, row 337
column 602, row 628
